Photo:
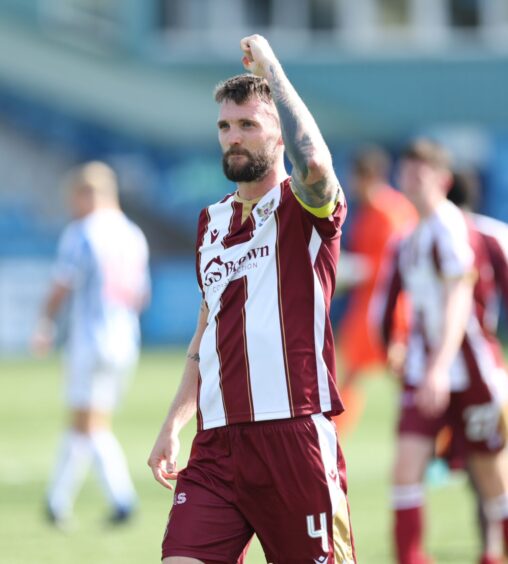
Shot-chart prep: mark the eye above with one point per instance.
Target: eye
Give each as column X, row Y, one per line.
column 222, row 125
column 248, row 124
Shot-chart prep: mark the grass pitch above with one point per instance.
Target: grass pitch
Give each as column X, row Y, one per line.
column 31, row 419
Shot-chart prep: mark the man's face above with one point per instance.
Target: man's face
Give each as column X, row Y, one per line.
column 250, row 138
column 360, row 184
column 80, row 201
column 421, row 182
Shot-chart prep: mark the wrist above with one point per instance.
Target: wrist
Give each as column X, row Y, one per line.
column 47, row 327
column 171, row 427
column 438, row 363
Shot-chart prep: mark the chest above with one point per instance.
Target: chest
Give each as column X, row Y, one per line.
column 418, row 266
column 236, row 246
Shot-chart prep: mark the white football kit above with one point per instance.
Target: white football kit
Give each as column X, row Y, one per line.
column 103, row 259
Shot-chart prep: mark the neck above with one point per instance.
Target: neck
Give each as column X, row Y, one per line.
column 373, row 190
column 258, row 188
column 429, row 207
column 106, row 205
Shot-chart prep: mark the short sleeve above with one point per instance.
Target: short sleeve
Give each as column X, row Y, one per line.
column 330, row 226
column 71, row 257
column 452, row 251
column 203, row 221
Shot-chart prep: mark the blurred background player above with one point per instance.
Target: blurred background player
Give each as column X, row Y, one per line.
column 382, row 213
column 453, row 370
column 465, row 193
column 102, row 266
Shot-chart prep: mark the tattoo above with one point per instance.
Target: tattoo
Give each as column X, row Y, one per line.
column 316, row 195
column 194, row 357
column 302, row 140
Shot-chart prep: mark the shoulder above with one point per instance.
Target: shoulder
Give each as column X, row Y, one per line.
column 73, row 232
column 327, row 220
column 490, row 226
column 449, row 220
column 454, row 241
column 134, row 228
column 225, row 203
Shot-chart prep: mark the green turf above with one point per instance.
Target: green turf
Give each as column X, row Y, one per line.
column 31, row 419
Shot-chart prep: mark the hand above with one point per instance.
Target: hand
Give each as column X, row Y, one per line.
column 43, row 338
column 396, row 358
column 433, row 396
column 258, row 55
column 162, row 459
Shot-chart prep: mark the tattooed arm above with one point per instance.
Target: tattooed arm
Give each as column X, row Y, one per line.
column 162, row 459
column 313, row 178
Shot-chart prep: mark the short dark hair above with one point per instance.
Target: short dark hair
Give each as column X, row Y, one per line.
column 428, row 152
column 371, row 162
column 241, row 88
column 465, row 189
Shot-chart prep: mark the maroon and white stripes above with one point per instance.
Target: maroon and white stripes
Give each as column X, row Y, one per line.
column 267, row 352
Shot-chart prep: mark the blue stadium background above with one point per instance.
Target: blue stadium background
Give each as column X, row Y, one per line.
column 79, row 82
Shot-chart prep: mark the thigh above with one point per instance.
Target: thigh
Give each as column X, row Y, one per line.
column 489, row 472
column 204, row 522
column 412, row 454
column 479, row 420
column 87, row 421
column 79, row 377
column 412, row 421
column 292, row 488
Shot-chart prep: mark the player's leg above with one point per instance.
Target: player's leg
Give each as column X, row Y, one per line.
column 490, row 534
column 75, row 453
column 291, row 486
column 353, row 399
column 413, row 452
column 204, row 524
column 71, row 467
column 415, row 445
column 107, row 388
column 109, row 461
column 491, row 479
column 483, row 428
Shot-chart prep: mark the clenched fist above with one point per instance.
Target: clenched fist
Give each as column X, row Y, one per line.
column 258, row 55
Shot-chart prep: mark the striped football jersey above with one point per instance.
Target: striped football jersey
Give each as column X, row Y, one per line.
column 267, row 351
column 444, row 245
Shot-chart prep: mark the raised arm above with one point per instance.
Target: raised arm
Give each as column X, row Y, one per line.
column 313, row 178
column 162, row 459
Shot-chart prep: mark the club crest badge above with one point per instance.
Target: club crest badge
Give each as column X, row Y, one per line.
column 265, row 211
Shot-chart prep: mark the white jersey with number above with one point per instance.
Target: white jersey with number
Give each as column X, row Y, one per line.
column 103, row 259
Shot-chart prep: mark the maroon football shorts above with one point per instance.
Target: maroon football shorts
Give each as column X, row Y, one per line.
column 474, row 415
column 283, row 480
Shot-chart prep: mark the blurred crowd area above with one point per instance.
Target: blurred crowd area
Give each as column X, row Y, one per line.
column 130, row 83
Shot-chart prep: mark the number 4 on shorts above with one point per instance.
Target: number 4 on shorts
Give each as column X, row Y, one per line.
column 321, row 533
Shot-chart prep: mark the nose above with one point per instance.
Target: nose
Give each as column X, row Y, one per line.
column 233, row 137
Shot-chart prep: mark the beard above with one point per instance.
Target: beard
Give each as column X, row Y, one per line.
column 255, row 167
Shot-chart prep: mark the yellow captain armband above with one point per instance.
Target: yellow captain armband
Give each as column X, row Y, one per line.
column 323, row 211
